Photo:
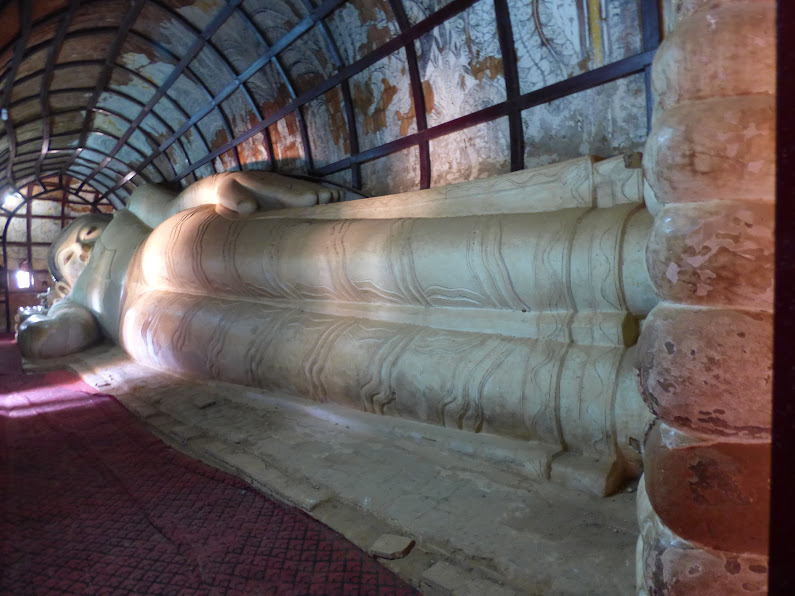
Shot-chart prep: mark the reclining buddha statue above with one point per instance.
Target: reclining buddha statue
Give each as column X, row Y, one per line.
column 507, row 307
column 91, row 258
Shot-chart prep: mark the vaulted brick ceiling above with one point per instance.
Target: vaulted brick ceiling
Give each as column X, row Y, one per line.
column 377, row 95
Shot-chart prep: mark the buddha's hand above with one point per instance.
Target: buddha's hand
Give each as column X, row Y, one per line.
column 247, row 192
column 67, row 328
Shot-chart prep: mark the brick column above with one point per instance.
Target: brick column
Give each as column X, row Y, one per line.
column 705, row 352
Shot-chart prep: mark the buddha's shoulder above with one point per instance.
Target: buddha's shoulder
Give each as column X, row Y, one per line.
column 125, row 230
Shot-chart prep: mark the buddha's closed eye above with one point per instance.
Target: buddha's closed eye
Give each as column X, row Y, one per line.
column 89, row 233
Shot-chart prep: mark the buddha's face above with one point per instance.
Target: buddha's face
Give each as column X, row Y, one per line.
column 69, row 253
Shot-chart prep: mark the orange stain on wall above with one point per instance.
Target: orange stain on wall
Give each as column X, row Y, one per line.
column 491, row 65
column 337, row 122
column 364, row 100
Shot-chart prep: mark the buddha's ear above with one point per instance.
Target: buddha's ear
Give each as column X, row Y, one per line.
column 62, row 288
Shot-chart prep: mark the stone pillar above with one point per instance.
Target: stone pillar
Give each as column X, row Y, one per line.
column 705, row 352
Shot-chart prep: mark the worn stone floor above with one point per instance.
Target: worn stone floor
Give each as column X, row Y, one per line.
column 480, row 528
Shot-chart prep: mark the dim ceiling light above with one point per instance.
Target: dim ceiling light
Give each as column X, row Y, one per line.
column 24, row 279
column 8, row 197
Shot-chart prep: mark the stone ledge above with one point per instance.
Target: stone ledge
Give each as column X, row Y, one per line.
column 509, row 534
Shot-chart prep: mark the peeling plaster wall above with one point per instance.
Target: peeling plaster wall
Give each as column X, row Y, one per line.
column 461, row 70
column 195, row 109
column 460, row 67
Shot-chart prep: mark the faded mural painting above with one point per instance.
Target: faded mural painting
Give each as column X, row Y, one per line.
column 263, row 57
column 380, row 96
column 461, row 70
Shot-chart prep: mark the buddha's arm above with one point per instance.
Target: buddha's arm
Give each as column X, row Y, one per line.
column 240, row 192
column 151, row 204
column 246, row 192
column 67, row 328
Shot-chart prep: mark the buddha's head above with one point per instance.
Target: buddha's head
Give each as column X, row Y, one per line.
column 71, row 249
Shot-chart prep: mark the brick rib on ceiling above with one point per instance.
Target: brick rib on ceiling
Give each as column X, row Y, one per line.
column 588, row 80
column 260, row 37
column 448, row 11
column 44, row 101
column 72, row 134
column 347, row 99
column 511, row 108
column 112, row 91
column 139, row 104
column 181, row 66
column 188, row 71
column 26, row 17
column 124, row 96
column 302, row 27
column 107, row 111
column 104, row 77
column 512, row 85
column 56, row 169
column 54, row 15
column 417, row 95
column 225, row 61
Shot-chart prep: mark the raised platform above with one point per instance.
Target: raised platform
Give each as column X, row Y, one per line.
column 481, row 527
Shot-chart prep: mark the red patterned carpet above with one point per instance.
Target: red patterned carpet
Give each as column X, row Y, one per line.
column 92, row 503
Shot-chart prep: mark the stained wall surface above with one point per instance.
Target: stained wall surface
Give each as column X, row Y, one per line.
column 380, row 96
column 117, row 94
